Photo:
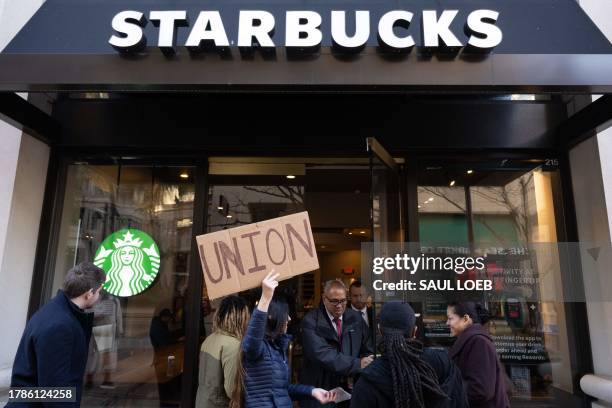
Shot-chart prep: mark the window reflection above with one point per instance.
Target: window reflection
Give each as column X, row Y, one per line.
column 509, row 213
column 137, row 347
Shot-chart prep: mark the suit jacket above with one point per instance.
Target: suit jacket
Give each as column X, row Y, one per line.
column 327, row 363
column 368, row 313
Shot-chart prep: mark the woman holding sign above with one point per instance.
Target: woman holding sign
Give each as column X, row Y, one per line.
column 264, row 351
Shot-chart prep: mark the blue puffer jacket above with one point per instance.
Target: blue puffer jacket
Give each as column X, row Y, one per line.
column 266, row 371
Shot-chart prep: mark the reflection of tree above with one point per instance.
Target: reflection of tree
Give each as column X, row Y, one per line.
column 295, row 194
column 513, row 197
column 239, row 205
column 441, row 192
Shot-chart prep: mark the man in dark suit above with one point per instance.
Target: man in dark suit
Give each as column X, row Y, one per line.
column 335, row 343
column 359, row 296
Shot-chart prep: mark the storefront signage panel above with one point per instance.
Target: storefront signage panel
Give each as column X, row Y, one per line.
column 509, row 27
column 304, row 30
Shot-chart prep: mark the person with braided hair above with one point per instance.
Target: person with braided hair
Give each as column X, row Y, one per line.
column 407, row 375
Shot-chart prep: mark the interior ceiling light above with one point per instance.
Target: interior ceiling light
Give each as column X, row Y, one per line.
column 290, row 176
column 470, row 171
column 184, row 175
column 452, row 183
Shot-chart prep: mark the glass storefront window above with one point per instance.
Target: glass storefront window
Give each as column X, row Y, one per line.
column 335, row 192
column 442, row 215
column 517, row 213
column 506, row 214
column 137, row 348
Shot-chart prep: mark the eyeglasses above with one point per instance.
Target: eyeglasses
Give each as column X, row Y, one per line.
column 336, row 302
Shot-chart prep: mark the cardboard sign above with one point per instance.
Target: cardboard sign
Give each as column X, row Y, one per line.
column 239, row 258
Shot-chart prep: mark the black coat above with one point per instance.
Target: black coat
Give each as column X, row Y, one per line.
column 368, row 313
column 326, row 363
column 53, row 349
column 475, row 355
column 374, row 389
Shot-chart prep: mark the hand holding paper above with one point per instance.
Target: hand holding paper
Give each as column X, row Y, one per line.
column 340, row 395
column 324, row 397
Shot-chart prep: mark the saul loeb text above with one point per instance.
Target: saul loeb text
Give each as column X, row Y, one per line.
column 465, row 278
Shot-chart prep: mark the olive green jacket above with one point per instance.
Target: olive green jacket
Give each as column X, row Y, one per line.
column 218, row 364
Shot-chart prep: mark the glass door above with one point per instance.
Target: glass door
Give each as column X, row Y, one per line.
column 385, row 195
column 386, row 221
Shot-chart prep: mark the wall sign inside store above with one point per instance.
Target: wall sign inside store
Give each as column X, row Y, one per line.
column 303, row 31
column 131, row 261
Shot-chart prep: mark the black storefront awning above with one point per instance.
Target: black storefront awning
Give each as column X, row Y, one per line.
column 545, row 46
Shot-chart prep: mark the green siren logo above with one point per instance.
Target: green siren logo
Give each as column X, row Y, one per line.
column 130, row 259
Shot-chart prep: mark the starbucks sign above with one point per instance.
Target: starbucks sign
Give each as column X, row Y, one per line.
column 131, row 261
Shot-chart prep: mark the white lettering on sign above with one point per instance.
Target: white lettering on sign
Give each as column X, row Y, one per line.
column 208, row 29
column 303, row 30
column 386, row 35
column 129, row 25
column 435, row 29
column 167, row 22
column 255, row 28
column 362, row 29
column 485, row 34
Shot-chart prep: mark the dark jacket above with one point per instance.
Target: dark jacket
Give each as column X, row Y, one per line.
column 475, row 355
column 326, row 363
column 374, row 389
column 53, row 349
column 368, row 313
column 266, row 379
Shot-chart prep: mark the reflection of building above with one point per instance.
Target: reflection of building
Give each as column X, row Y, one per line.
column 106, row 198
column 467, row 172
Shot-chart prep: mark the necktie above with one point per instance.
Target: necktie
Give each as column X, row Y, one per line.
column 365, row 317
column 338, row 323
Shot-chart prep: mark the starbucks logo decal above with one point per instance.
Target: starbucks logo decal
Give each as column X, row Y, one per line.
column 131, row 261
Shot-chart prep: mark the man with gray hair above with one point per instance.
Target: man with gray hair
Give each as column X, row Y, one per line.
column 335, row 343
column 54, row 345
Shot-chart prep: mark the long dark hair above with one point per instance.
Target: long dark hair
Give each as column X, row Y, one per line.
column 412, row 376
column 477, row 312
column 278, row 316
